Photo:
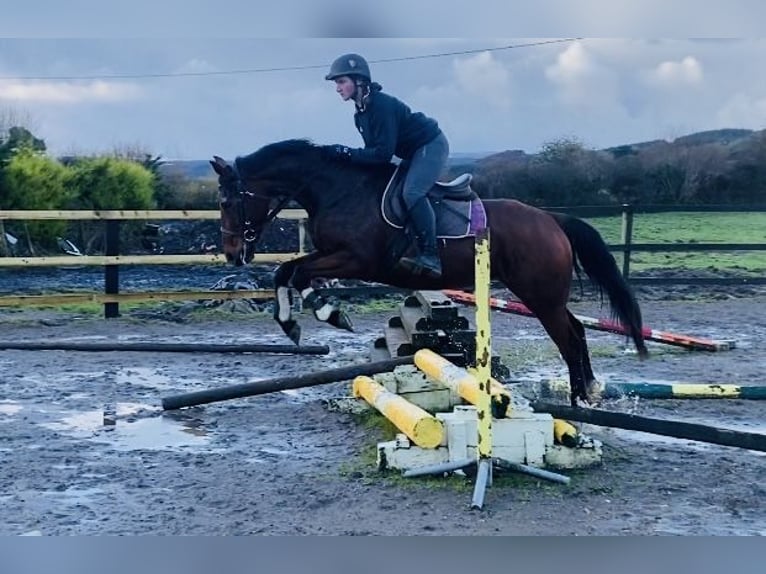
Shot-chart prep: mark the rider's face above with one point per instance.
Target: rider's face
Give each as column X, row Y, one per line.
column 345, row 87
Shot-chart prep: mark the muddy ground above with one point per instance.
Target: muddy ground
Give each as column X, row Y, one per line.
column 285, row 464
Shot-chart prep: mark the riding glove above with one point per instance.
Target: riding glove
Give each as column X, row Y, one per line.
column 336, row 152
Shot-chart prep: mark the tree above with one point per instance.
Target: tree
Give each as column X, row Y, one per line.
column 16, row 140
column 107, row 183
column 153, row 163
column 745, row 178
column 565, row 173
column 504, row 174
column 31, row 180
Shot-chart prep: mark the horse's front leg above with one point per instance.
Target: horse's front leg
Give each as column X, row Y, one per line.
column 339, row 265
column 283, row 313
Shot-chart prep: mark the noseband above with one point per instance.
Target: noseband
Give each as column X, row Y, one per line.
column 249, row 232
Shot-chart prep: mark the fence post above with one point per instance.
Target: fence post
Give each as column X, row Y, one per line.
column 627, row 238
column 301, row 236
column 112, row 272
column 4, row 251
column 305, row 245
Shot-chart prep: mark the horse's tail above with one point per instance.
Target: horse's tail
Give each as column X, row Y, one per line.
column 599, row 265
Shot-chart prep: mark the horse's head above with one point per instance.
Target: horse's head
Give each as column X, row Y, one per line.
column 256, row 187
column 244, row 213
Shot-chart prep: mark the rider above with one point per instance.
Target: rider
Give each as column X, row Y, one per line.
column 389, row 128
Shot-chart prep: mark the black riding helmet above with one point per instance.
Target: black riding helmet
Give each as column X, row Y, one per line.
column 349, row 65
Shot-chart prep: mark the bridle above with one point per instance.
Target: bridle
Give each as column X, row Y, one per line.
column 249, row 232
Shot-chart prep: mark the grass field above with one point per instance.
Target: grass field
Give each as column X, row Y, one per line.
column 692, row 228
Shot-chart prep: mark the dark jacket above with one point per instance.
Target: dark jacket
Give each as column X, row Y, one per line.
column 389, row 128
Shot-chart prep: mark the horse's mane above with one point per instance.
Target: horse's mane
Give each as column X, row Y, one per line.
column 268, row 154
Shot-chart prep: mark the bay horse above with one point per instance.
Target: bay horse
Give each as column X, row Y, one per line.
column 533, row 252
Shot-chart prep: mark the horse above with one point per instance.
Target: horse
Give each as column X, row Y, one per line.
column 533, row 252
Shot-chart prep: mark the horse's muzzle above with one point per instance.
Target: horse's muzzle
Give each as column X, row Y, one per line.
column 238, row 260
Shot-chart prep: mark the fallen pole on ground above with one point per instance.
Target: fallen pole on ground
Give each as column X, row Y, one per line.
column 560, row 387
column 676, row 429
column 686, row 341
column 685, row 391
column 422, row 428
column 281, row 384
column 163, row 347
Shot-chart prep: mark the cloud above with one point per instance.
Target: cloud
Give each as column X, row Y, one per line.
column 685, row 72
column 743, row 111
column 572, row 65
column 582, row 80
column 484, row 77
column 195, row 66
column 67, row 92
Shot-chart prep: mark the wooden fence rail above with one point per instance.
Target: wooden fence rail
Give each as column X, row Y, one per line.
column 112, row 258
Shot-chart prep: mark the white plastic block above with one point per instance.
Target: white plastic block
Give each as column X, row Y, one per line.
column 468, row 426
column 409, row 379
column 457, row 440
column 392, row 457
column 534, row 443
column 387, row 380
column 562, row 457
column 433, row 401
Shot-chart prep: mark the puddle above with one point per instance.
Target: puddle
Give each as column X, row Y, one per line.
column 9, row 409
column 149, row 377
column 649, row 438
column 145, row 376
column 269, row 455
column 693, row 520
column 158, row 432
column 74, row 496
column 155, row 379
column 523, row 335
column 537, row 374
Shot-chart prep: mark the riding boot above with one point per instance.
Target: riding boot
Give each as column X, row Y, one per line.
column 424, row 225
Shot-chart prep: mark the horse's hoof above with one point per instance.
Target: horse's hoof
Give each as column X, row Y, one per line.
column 292, row 330
column 594, row 393
column 295, row 334
column 340, row 320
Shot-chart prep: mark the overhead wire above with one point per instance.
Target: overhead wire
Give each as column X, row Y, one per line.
column 284, row 68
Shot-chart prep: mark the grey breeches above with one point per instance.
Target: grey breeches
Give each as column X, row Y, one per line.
column 426, row 167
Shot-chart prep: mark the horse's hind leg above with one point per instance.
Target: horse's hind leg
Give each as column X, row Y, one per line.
column 593, row 389
column 559, row 323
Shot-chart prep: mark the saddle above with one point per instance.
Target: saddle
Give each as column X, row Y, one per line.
column 459, row 211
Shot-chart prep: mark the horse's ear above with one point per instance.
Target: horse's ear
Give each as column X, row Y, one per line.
column 219, row 164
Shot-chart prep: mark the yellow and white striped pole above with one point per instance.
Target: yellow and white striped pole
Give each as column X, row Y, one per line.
column 463, row 382
column 483, row 367
column 421, row 427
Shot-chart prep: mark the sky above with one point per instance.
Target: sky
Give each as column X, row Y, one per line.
column 90, row 95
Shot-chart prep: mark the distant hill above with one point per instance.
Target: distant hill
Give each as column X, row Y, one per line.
column 466, row 158
column 190, row 169
column 723, row 137
column 200, row 169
